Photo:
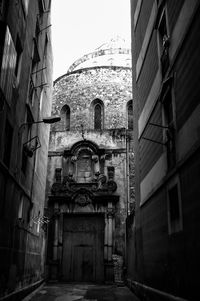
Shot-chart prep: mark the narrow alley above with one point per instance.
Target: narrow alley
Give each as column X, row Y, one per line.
column 82, row 292
column 99, row 150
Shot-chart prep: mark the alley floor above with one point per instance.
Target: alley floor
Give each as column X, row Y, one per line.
column 82, row 292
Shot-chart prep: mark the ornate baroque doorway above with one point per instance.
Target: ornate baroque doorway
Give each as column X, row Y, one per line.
column 82, row 205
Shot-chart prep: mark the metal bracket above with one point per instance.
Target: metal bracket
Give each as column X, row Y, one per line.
column 155, row 141
column 160, row 126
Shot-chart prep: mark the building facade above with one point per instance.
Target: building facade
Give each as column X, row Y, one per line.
column 163, row 236
column 25, row 98
column 88, row 194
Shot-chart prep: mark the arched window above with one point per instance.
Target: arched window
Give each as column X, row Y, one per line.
column 65, row 117
column 130, row 115
column 97, row 117
column 98, row 114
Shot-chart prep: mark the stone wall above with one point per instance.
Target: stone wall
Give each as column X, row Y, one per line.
column 78, row 89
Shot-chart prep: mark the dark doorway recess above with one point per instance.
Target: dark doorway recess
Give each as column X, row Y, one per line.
column 83, row 248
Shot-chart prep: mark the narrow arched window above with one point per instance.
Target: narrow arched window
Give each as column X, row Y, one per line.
column 65, row 117
column 97, row 117
column 130, row 115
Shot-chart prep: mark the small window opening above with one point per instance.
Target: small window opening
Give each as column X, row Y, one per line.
column 130, row 116
column 175, row 223
column 20, row 209
column 98, row 117
column 65, row 117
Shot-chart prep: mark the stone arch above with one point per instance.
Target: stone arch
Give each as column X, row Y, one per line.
column 65, row 117
column 84, row 144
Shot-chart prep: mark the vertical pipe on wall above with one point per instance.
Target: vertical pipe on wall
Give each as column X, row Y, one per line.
column 106, row 239
column 55, row 242
column 110, row 231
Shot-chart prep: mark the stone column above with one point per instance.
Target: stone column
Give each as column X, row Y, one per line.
column 95, row 159
column 109, row 244
column 60, row 235
column 110, row 230
column 106, row 239
column 55, row 242
column 72, row 165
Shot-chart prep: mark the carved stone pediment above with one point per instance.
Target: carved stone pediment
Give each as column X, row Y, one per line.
column 99, row 184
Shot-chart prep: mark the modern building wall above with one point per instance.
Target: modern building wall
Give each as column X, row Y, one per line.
column 106, row 138
column 25, row 98
column 164, row 233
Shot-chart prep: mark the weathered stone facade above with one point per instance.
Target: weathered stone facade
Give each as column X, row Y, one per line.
column 100, row 180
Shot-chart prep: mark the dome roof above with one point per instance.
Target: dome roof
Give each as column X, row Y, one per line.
column 114, row 43
column 115, row 52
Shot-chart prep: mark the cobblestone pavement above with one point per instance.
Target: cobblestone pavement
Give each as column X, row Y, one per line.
column 82, row 292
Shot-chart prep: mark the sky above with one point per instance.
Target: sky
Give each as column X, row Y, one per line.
column 81, row 26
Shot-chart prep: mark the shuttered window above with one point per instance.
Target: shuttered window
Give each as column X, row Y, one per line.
column 8, row 66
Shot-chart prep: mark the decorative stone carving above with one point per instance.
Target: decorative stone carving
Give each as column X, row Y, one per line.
column 111, row 172
column 56, row 187
column 98, row 185
column 103, row 157
column 110, row 212
column 68, row 179
column 104, row 184
column 95, row 158
column 73, row 159
column 111, row 186
column 82, row 200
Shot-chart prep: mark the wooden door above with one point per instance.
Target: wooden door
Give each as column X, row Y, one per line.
column 83, row 263
column 83, row 247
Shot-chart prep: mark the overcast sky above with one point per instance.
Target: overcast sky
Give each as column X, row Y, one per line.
column 80, row 26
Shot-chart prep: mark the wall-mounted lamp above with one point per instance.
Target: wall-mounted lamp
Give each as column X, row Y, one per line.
column 48, row 120
column 29, row 150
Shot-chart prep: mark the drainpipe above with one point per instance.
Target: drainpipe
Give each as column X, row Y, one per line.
column 127, row 193
column 127, row 175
